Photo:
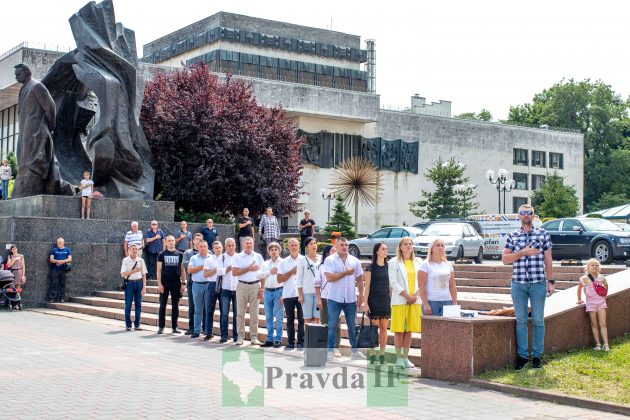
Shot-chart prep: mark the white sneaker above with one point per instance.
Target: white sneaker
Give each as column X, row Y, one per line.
column 337, row 353
column 357, row 355
column 409, row 364
column 239, row 342
column 255, row 341
column 400, row 363
column 331, row 356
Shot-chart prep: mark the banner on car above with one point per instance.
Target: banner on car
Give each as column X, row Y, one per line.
column 496, row 227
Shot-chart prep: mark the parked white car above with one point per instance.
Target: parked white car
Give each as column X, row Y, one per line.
column 363, row 247
column 460, row 240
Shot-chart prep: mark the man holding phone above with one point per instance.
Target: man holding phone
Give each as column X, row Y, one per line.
column 529, row 250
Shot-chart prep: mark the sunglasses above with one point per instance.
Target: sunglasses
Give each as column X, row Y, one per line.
column 526, row 213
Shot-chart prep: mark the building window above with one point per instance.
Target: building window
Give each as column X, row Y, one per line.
column 520, row 181
column 556, row 160
column 537, row 182
column 538, row 159
column 520, row 157
column 518, row 202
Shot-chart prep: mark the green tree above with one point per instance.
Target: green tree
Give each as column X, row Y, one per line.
column 554, row 199
column 12, row 163
column 340, row 221
column 483, row 115
column 594, row 109
column 610, row 199
column 444, row 201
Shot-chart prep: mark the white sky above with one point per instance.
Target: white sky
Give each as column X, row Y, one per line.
column 486, row 54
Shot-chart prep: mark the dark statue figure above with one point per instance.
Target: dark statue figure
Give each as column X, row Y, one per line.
column 98, row 98
column 38, row 171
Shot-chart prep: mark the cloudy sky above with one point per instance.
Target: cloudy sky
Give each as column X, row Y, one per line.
column 485, row 54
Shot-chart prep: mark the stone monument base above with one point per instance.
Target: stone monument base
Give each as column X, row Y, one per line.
column 33, row 224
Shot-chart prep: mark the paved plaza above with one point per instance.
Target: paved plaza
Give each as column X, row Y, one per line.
column 68, row 367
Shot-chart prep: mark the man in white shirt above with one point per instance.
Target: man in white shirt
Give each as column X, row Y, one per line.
column 134, row 236
column 228, row 291
column 199, row 284
column 212, row 270
column 249, row 290
column 287, row 277
column 135, row 271
column 274, row 311
column 343, row 273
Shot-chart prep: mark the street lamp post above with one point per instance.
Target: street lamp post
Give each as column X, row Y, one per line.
column 328, row 195
column 502, row 183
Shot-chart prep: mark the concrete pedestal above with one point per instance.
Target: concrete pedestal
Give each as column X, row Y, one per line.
column 97, row 244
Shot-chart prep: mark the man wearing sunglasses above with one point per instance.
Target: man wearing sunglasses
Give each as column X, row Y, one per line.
column 529, row 251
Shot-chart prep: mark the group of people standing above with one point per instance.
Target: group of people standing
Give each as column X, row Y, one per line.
column 307, row 288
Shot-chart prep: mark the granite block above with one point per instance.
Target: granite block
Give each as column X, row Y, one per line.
column 106, row 208
column 458, row 349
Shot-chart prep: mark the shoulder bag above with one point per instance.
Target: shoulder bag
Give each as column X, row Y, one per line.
column 600, row 289
column 367, row 335
column 125, row 281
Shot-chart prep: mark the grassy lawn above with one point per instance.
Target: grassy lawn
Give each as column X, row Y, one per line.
column 579, row 373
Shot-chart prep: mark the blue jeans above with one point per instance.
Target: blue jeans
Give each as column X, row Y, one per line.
column 437, row 306
column 191, row 306
column 199, row 297
column 228, row 296
column 334, row 312
column 152, row 258
column 211, row 304
column 133, row 293
column 5, row 189
column 274, row 311
column 536, row 293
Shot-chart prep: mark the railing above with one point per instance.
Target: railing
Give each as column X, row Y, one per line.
column 37, row 46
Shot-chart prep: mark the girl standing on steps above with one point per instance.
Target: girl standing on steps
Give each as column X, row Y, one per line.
column 87, row 189
column 376, row 294
column 595, row 304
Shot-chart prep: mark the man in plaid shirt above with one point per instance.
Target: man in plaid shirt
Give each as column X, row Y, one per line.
column 529, row 250
column 270, row 230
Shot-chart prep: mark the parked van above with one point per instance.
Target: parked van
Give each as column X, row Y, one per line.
column 495, row 228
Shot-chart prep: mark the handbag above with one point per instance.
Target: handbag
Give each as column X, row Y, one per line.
column 219, row 285
column 600, row 289
column 125, row 281
column 68, row 267
column 367, row 335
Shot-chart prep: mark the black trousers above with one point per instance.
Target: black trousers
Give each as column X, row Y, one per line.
column 174, row 289
column 291, row 305
column 57, row 283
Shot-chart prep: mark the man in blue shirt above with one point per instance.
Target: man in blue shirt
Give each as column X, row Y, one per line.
column 209, row 232
column 155, row 244
column 529, row 251
column 59, row 257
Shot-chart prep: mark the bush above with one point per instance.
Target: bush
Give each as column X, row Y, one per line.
column 388, row 226
column 547, row 219
column 201, row 217
column 596, row 215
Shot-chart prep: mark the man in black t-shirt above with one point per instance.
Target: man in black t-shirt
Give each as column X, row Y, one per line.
column 171, row 278
column 245, row 226
column 307, row 229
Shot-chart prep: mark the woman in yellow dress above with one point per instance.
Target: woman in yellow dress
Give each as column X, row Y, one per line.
column 406, row 308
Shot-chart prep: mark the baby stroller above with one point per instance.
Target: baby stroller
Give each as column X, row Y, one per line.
column 9, row 294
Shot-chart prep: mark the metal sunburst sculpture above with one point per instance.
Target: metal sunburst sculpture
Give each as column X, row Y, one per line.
column 357, row 179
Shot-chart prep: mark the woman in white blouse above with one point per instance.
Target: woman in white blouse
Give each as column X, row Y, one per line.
column 437, row 281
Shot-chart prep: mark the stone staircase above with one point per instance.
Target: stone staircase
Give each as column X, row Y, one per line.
column 480, row 287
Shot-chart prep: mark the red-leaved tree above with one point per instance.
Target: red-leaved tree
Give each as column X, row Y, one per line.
column 215, row 149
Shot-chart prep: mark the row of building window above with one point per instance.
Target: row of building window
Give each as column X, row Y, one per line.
column 253, row 65
column 254, row 38
column 9, row 130
column 520, row 181
column 538, row 159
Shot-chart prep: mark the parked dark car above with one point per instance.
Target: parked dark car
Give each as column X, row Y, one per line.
column 588, row 237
